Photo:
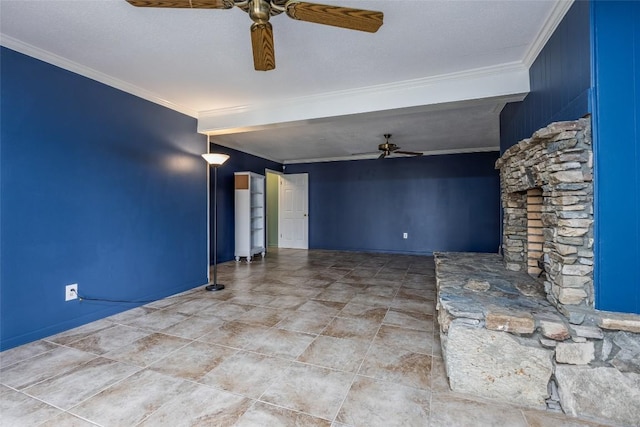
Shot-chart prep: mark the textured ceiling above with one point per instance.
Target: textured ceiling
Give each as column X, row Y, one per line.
column 435, row 75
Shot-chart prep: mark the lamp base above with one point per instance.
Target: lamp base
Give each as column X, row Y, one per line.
column 216, row 287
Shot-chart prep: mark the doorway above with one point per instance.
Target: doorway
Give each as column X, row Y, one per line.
column 272, row 197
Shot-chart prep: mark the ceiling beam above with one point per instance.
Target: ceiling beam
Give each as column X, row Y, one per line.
column 497, row 81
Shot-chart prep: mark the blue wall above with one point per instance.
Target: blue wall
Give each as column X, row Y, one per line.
column 99, row 188
column 559, row 79
column 238, row 161
column 445, row 203
column 616, row 75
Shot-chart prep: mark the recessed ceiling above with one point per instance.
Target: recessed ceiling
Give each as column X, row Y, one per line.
column 435, row 75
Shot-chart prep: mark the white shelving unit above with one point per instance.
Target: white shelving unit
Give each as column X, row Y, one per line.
column 250, row 215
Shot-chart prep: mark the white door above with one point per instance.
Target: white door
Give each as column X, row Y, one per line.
column 293, row 211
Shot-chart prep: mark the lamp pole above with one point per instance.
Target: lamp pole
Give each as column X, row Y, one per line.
column 215, row 160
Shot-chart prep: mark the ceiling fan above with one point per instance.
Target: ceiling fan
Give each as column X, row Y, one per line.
column 261, row 10
column 389, row 148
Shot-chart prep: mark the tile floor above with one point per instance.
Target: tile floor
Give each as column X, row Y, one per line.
column 301, row 338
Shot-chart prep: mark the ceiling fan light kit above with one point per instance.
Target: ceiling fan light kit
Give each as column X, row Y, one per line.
column 261, row 10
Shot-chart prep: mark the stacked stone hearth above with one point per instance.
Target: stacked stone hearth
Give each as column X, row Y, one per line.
column 525, row 331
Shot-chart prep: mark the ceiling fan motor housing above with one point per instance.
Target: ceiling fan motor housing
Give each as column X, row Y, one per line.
column 260, row 11
column 388, row 146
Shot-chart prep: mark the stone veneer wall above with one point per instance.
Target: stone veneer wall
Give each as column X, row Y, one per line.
column 559, row 160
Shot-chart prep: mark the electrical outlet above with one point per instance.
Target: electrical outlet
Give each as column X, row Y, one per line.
column 405, row 235
column 71, row 292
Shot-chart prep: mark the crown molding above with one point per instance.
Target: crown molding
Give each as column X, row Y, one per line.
column 556, row 15
column 90, row 73
column 375, row 156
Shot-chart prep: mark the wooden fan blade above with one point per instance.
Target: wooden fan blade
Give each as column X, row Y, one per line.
column 337, row 16
column 383, row 155
column 184, row 4
column 264, row 58
column 410, row 153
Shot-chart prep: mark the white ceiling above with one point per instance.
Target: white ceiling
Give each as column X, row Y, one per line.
column 435, row 75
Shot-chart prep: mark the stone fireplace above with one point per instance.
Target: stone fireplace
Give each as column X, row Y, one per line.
column 547, row 200
column 521, row 326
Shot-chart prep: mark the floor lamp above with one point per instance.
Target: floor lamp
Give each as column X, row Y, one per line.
column 215, row 160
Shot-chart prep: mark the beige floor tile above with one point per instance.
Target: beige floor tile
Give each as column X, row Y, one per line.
column 330, row 274
column 262, row 414
column 147, row 350
column 84, row 331
column 437, row 345
column 453, row 411
column 44, row 366
column 424, row 282
column 80, row 383
column 158, row 320
column 264, row 316
column 406, row 339
column 18, row 409
column 251, row 298
column 192, row 306
column 341, row 295
column 419, row 306
column 305, row 321
column 544, row 419
column 419, row 278
column 390, row 275
column 201, row 406
column 344, row 286
column 193, row 361
column 290, row 302
column 234, row 334
column 66, row 420
column 321, row 306
column 193, row 327
column 281, row 343
column 362, row 282
column 24, row 352
column 290, row 279
column 362, row 311
column 227, row 310
column 246, row 373
column 417, row 294
column 132, row 400
column 310, row 389
column 382, row 290
column 439, row 380
column 399, row 366
column 169, row 301
column 364, row 272
column 409, row 320
column 375, row 403
column 352, row 328
column 374, row 300
column 106, row 340
column 336, row 353
column 133, row 313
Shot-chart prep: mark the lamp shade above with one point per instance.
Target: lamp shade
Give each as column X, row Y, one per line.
column 215, row 159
